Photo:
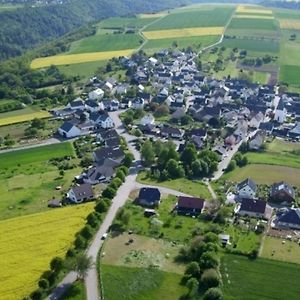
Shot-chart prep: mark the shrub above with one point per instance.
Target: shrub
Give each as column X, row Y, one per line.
column 93, row 219
column 87, row 232
column 121, row 175
column 124, row 169
column 71, row 253
column 128, row 159
column 109, row 192
column 80, row 242
column 43, row 283
column 210, row 278
column 213, row 294
column 101, row 206
column 116, row 183
column 56, row 264
column 37, row 295
column 193, row 269
column 209, row 260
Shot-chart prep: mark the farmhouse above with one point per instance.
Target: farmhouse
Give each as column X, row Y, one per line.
column 69, row 130
column 247, row 188
column 282, row 192
column 81, row 193
column 190, row 206
column 290, row 218
column 254, row 208
column 149, row 197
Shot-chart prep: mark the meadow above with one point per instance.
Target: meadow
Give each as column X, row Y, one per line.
column 253, row 10
column 28, row 180
column 259, row 279
column 138, row 22
column 140, row 284
column 250, row 23
column 29, row 243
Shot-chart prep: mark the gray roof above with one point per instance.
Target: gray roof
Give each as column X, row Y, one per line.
column 282, row 186
column 247, row 182
column 83, row 191
column 292, row 216
column 66, row 126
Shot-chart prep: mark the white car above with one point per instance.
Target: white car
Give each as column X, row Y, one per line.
column 104, row 236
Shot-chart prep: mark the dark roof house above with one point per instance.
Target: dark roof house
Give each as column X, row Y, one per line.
column 282, row 192
column 149, row 197
column 190, row 205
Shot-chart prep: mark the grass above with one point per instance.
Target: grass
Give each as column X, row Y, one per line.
column 190, row 187
column 273, row 248
column 253, row 10
column 75, row 292
column 140, row 284
column 216, row 17
column 253, row 16
column 257, row 24
column 118, row 22
column 265, row 174
column 290, row 74
column 289, row 24
column 109, row 42
column 27, row 185
column 183, row 32
column 43, row 62
column 259, row 279
column 142, row 253
column 29, row 243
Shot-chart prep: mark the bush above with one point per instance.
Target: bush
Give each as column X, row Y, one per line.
column 80, row 242
column 56, row 264
column 116, row 183
column 124, row 170
column 93, row 219
column 213, row 294
column 37, row 295
column 209, row 260
column 101, row 206
column 43, row 283
column 71, row 253
column 210, row 278
column 109, row 192
column 128, row 159
column 193, row 269
column 87, row 232
column 120, row 174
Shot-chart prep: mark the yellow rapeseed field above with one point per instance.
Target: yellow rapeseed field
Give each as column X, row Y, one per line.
column 43, row 62
column 241, row 16
column 183, row 32
column 28, row 243
column 253, row 10
column 149, row 16
column 24, row 118
column 289, row 24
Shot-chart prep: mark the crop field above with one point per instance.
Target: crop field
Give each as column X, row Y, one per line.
column 257, row 24
column 289, row 24
column 21, row 116
column 183, row 32
column 28, row 180
column 246, row 16
column 216, row 17
column 259, row 279
column 290, row 74
column 140, row 284
column 119, row 22
column 29, row 243
column 43, row 62
column 152, row 16
column 252, row 44
column 265, row 174
column 273, row 248
column 253, row 10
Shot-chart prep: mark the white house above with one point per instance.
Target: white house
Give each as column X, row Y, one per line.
column 102, row 119
column 138, row 103
column 69, row 130
column 77, row 104
column 280, row 112
column 81, row 193
column 93, row 106
column 147, row 120
column 255, row 208
column 256, row 120
column 96, row 94
column 247, row 188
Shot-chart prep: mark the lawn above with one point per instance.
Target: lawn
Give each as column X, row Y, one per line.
column 140, row 284
column 259, row 279
column 190, row 187
column 273, row 248
column 257, row 24
column 75, row 292
column 43, row 62
column 27, row 185
column 216, row 17
column 142, row 253
column 29, row 243
column 265, row 174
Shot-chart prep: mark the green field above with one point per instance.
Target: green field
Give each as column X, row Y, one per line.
column 259, row 279
column 125, row 22
column 140, row 284
column 252, row 44
column 273, row 248
column 257, row 24
column 290, row 74
column 218, row 16
column 28, row 180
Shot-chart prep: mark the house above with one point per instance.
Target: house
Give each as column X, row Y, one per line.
column 96, row 94
column 190, row 206
column 102, row 119
column 97, row 174
column 76, row 104
column 267, row 127
column 69, row 130
column 108, row 155
column 290, row 219
column 295, row 132
column 138, row 103
column 149, row 197
column 104, row 135
column 81, row 193
column 93, row 106
column 172, row 132
column 126, row 103
column 280, row 112
column 256, row 120
column 247, row 188
column 254, row 208
column 257, row 141
column 147, row 120
column 282, row 192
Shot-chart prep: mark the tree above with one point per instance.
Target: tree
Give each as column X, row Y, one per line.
column 162, row 110
column 43, row 283
column 87, row 232
column 101, row 206
column 213, row 294
column 148, row 154
column 116, row 183
column 210, row 278
column 82, row 265
column 120, row 174
column 174, row 169
column 211, row 237
column 231, row 166
column 192, row 284
column 109, row 192
column 209, row 260
column 80, row 242
column 56, row 264
column 193, row 269
column 38, row 123
column 128, row 119
column 128, row 160
column 189, row 155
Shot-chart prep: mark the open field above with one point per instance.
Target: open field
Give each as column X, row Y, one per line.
column 289, row 24
column 29, row 243
column 28, row 180
column 249, row 16
column 259, row 279
column 183, row 32
column 43, row 62
column 109, row 42
column 193, row 188
column 273, row 248
column 214, row 17
column 119, row 22
column 290, row 74
column 154, row 15
column 142, row 253
column 253, row 10
column 257, row 24
column 265, row 174
column 140, row 284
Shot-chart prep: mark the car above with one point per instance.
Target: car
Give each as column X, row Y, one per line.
column 104, row 236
